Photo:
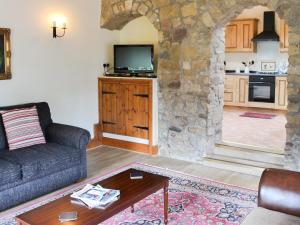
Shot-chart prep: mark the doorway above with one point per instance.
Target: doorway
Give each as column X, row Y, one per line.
column 255, row 83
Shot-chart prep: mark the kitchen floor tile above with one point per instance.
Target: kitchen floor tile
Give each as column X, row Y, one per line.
column 268, row 133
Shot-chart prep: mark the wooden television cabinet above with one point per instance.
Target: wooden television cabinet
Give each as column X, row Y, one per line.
column 128, row 114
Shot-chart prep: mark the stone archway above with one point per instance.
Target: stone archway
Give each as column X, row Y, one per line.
column 115, row 14
column 190, row 68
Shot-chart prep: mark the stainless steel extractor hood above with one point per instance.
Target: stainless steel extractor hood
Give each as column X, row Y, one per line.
column 269, row 33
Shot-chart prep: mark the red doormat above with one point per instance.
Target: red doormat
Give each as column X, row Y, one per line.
column 258, row 115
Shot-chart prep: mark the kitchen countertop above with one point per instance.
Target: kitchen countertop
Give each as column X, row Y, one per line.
column 256, row 74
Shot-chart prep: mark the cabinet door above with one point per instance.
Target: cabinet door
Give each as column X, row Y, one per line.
column 243, row 90
column 239, row 35
column 284, row 36
column 281, row 99
column 110, row 108
column 247, row 31
column 228, row 97
column 229, row 90
column 137, row 105
column 231, row 35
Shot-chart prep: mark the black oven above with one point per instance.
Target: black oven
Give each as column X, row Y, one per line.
column 261, row 88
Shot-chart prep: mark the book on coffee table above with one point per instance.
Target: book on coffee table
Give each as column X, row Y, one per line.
column 136, row 175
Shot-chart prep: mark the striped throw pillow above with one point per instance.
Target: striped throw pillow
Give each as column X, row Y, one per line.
column 22, row 127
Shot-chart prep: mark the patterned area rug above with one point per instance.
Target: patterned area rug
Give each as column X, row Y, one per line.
column 192, row 201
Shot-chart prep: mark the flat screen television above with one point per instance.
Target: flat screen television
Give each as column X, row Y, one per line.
column 133, row 59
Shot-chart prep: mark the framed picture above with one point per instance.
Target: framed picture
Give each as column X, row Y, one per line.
column 268, row 66
column 5, row 54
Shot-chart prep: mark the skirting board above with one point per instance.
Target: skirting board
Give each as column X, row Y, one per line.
column 93, row 143
column 138, row 147
column 126, row 138
column 130, row 145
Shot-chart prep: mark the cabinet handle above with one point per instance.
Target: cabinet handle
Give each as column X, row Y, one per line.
column 141, row 95
column 141, row 127
column 108, row 93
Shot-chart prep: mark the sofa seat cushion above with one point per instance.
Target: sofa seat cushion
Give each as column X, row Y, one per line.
column 262, row 216
column 9, row 172
column 40, row 160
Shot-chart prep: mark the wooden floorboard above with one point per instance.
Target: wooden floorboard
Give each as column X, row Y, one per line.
column 104, row 159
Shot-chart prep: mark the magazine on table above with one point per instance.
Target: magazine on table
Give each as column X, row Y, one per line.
column 79, row 202
column 96, row 196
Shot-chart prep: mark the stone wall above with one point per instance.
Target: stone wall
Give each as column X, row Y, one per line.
column 191, row 70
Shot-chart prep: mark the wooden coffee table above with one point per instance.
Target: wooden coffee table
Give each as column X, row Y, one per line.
column 132, row 191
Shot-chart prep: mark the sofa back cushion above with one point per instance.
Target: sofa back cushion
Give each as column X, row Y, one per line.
column 22, row 127
column 44, row 118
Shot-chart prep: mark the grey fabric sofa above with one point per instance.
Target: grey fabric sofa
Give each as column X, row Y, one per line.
column 33, row 171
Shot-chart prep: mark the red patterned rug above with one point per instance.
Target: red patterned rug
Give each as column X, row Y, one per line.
column 192, row 201
column 258, row 115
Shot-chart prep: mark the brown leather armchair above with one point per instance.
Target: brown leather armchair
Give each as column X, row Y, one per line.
column 279, row 190
column 278, row 199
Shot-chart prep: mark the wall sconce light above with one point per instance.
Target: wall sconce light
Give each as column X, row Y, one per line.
column 59, row 25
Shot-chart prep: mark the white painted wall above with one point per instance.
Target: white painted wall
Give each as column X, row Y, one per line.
column 140, row 31
column 266, row 51
column 64, row 71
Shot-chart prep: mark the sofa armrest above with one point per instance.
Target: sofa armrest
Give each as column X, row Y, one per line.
column 279, row 190
column 68, row 135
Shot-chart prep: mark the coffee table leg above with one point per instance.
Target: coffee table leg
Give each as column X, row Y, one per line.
column 166, row 202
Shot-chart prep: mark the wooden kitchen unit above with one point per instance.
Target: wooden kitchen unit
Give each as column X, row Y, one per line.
column 236, row 93
column 239, row 34
column 236, row 90
column 284, row 36
column 128, row 113
column 281, row 94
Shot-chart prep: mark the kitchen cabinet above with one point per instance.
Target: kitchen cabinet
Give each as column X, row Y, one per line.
column 236, row 93
column 231, row 36
column 229, row 90
column 284, row 36
column 243, row 90
column 126, row 114
column 281, row 94
column 239, row 34
column 236, row 90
